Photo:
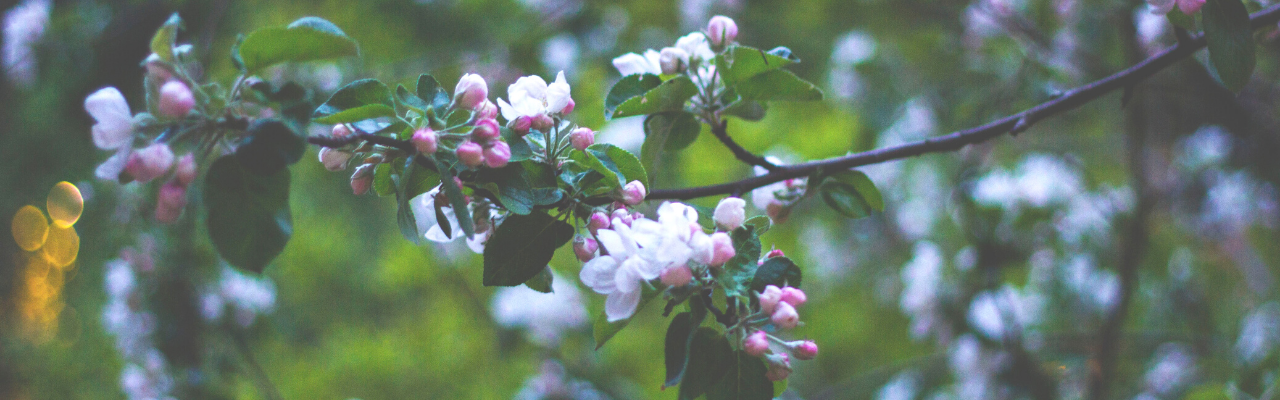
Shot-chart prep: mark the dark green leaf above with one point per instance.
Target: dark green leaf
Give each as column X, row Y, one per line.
column 778, row 85
column 679, row 338
column 520, row 150
column 458, row 201
column 405, row 182
column 1230, row 37
column 851, row 193
column 745, row 380
column 630, row 86
column 429, row 90
column 736, row 275
column 248, row 214
column 747, row 110
column 776, row 271
column 521, row 186
column 602, row 330
column 667, row 131
column 306, row 39
column 268, row 147
column 522, row 246
column 761, row 223
column 709, row 359
column 358, row 101
column 542, row 281
column 738, row 63
column 409, row 99
column 668, row 96
column 164, row 39
column 383, row 185
column 616, row 164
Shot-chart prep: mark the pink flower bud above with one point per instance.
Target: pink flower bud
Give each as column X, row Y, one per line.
column 722, row 248
column 597, row 222
column 730, row 213
column 471, row 154
column 673, row 60
column 793, row 296
column 149, row 163
column 679, row 275
column 582, row 138
column 775, row 253
column 425, row 140
column 486, row 110
column 721, row 30
column 497, row 155
column 785, row 316
column 769, row 299
column 585, row 248
column 341, row 131
column 1190, row 7
column 804, row 349
column 362, row 179
column 568, row 107
column 176, row 99
column 542, row 123
column 756, row 344
column 185, row 172
column 620, row 216
column 779, row 366
column 470, row 92
column 485, row 130
column 633, row 193
column 521, row 125
column 334, row 159
column 170, row 202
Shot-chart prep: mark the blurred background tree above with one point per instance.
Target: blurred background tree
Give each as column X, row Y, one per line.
column 1127, row 247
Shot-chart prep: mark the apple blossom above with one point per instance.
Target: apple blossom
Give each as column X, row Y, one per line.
column 804, row 350
column 633, row 193
column 362, row 179
column 585, row 248
column 486, row 110
column 785, row 316
column 722, row 248
column 582, row 138
column 470, row 92
column 731, row 213
column 176, row 99
column 673, row 60
column 756, row 344
column 185, row 171
column 149, row 162
column 697, row 46
column 334, row 159
column 775, row 253
column 425, row 140
column 722, row 30
column 597, row 222
column 632, row 63
column 531, row 96
column 170, row 202
column 471, row 154
column 542, row 123
column 497, row 154
column 113, row 127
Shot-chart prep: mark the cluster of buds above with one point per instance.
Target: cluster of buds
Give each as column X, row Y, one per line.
column 779, row 304
column 697, row 48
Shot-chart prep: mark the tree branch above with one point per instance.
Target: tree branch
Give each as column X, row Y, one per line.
column 720, row 130
column 330, row 141
column 1012, row 124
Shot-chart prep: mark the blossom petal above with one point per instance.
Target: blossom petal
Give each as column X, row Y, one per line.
column 110, row 170
column 611, row 241
column 600, row 274
column 621, row 305
column 114, row 127
column 527, row 87
column 508, row 111
column 558, row 94
column 631, row 64
column 424, row 211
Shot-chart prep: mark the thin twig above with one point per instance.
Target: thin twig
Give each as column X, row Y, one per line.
column 1070, row 100
column 719, row 129
column 330, row 141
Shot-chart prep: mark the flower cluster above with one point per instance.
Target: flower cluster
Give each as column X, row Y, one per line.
column 146, row 373
column 779, row 304
column 694, row 50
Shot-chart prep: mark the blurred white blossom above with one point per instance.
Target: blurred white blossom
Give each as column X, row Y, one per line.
column 545, row 316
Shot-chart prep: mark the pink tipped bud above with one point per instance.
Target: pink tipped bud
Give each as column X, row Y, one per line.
column 775, row 253
column 542, row 123
column 722, row 248
column 362, row 179
column 585, row 248
column 341, row 131
column 730, row 213
column 521, row 125
column 721, row 30
column 677, row 276
column 176, row 99
column 633, row 193
column 756, row 344
column 597, row 222
column 621, row 216
column 425, row 140
column 487, row 110
column 334, row 159
column 497, row 155
column 673, row 60
column 470, row 92
column 170, row 202
column 769, row 299
column 471, row 154
column 185, row 172
column 793, row 296
column 804, row 349
column 485, row 130
column 1190, row 7
column 582, row 138
column 785, row 316
column 149, row 163
column 568, row 107
column 779, row 366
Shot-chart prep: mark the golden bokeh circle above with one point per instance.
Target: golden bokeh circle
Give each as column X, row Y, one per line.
column 30, row 228
column 65, row 204
column 62, row 246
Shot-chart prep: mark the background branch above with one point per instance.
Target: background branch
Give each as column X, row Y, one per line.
column 1012, row 124
column 720, row 130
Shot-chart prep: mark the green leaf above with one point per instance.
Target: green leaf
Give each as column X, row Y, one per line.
column 520, row 150
column 542, row 281
column 679, row 337
column 405, row 183
column 306, row 39
column 358, row 101
column 667, row 96
column 626, row 88
column 761, row 223
column 163, row 41
column 429, row 90
column 736, row 275
column 1184, row 21
column 851, row 193
column 776, row 271
column 616, row 164
column 739, row 63
column 602, row 330
column 458, row 201
column 1230, row 37
column 745, row 380
column 522, row 246
column 709, row 360
column 248, row 214
column 521, row 186
column 410, row 100
column 747, row 110
column 383, row 185
column 778, row 85
column 269, row 146
column 667, row 131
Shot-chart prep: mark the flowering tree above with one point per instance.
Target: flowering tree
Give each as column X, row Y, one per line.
column 520, row 189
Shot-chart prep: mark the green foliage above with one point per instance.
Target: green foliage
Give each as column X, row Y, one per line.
column 739, row 63
column 522, row 246
column 667, row 96
column 744, row 380
column 627, row 88
column 679, row 338
column 456, row 200
column 617, row 165
column 776, row 271
column 306, row 39
column 165, row 38
column 357, row 101
column 248, row 213
column 737, row 274
column 851, row 194
column 542, row 281
column 522, row 186
column 430, row 92
column 268, row 147
column 777, row 85
column 667, row 131
column 1230, row 37
column 710, row 358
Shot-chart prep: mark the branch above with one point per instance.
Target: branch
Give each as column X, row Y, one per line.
column 1012, row 124
column 720, row 130
column 335, row 142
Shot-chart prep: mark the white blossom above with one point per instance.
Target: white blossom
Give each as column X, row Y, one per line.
column 24, row 25
column 114, row 127
column 545, row 315
column 697, row 46
column 632, row 63
column 424, row 213
column 532, row 96
column 620, row 273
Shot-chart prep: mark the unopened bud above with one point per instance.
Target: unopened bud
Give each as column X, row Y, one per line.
column 425, row 140
column 487, row 110
column 362, row 179
column 471, row 154
column 156, row 69
column 582, row 138
column 341, row 131
column 497, row 155
column 803, row 349
column 730, row 213
column 779, row 366
column 794, row 296
column 597, row 222
column 769, row 299
column 334, row 159
column 721, row 30
column 785, row 316
column 485, row 130
column 585, row 248
column 170, row 202
column 621, row 216
column 176, row 99
column 569, row 106
column 521, row 125
column 756, row 344
column 722, row 248
column 676, row 276
column 673, row 60
column 470, row 92
column 775, row 253
column 150, row 162
column 633, row 193
column 542, row 123
column 185, row 172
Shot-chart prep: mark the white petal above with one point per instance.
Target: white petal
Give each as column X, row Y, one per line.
column 114, row 127
column 611, row 241
column 508, row 112
column 527, row 87
column 652, row 60
column 424, row 211
column 646, row 233
column 476, row 244
column 628, row 277
column 599, row 274
column 696, row 45
column 701, row 248
column 558, row 94
column 110, row 170
column 631, row 64
column 621, row 305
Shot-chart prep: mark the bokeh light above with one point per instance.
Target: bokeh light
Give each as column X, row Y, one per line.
column 62, row 245
column 50, row 249
column 65, row 203
column 30, row 228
